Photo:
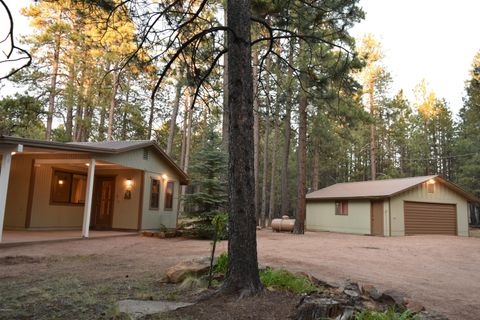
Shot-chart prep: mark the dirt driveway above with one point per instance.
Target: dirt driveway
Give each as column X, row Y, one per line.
column 441, row 272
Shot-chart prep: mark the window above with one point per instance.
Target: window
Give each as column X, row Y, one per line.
column 154, row 194
column 169, row 195
column 68, row 188
column 341, row 208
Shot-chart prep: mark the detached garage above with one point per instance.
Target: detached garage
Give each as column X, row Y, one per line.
column 395, row 207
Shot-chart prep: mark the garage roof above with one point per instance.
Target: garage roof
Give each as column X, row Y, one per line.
column 380, row 188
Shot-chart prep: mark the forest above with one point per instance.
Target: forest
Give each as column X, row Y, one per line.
column 324, row 111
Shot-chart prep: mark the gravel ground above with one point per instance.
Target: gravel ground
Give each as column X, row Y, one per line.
column 441, row 272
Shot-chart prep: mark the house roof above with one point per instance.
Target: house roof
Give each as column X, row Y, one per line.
column 104, row 147
column 380, row 189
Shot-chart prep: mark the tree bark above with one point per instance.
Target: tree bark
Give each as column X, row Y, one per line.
column 271, row 210
column 263, row 211
column 285, row 205
column 69, row 101
column 113, row 104
column 173, row 120
column 256, row 137
column 373, row 149
column 225, row 137
column 187, row 141
column 242, row 274
column 316, row 164
column 53, row 84
column 299, row 227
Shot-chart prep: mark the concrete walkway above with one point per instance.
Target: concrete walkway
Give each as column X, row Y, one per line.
column 27, row 237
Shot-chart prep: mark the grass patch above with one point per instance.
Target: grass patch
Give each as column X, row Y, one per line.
column 390, row 314
column 283, row 279
column 221, row 264
column 66, row 295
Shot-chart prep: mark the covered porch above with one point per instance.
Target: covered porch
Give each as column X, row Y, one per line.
column 59, row 192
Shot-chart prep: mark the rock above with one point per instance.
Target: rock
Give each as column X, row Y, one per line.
column 139, row 308
column 371, row 292
column 317, row 307
column 180, row 271
column 352, row 290
column 351, row 293
column 413, row 306
column 393, row 297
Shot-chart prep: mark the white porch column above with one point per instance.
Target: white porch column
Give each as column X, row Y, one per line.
column 4, row 175
column 88, row 198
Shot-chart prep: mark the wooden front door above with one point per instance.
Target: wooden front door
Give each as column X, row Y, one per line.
column 377, row 218
column 104, row 195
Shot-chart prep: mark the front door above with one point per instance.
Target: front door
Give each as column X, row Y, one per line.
column 104, row 195
column 377, row 218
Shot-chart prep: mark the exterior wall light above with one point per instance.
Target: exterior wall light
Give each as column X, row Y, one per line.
column 60, row 182
column 164, row 177
column 128, row 189
column 431, row 181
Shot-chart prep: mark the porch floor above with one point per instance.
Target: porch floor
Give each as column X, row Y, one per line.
column 25, row 236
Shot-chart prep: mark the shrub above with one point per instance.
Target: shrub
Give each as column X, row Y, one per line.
column 221, row 264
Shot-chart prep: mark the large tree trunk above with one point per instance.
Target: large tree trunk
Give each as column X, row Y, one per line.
column 271, row 210
column 263, row 211
column 242, row 275
column 173, row 120
column 373, row 148
column 187, row 126
column 125, row 114
column 82, row 102
column 70, row 101
column 316, row 163
column 256, row 137
column 113, row 104
column 285, row 194
column 53, row 84
column 299, row 227
column 225, row 137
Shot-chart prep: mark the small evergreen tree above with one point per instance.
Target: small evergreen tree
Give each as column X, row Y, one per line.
column 208, row 196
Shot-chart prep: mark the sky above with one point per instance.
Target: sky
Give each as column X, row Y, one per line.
column 434, row 40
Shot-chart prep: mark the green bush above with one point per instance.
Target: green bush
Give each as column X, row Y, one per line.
column 222, row 263
column 283, row 279
column 390, row 314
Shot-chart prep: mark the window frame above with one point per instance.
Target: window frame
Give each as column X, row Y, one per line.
column 71, row 173
column 165, row 195
column 158, row 194
column 341, row 207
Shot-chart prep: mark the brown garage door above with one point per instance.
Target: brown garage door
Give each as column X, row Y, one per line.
column 430, row 218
